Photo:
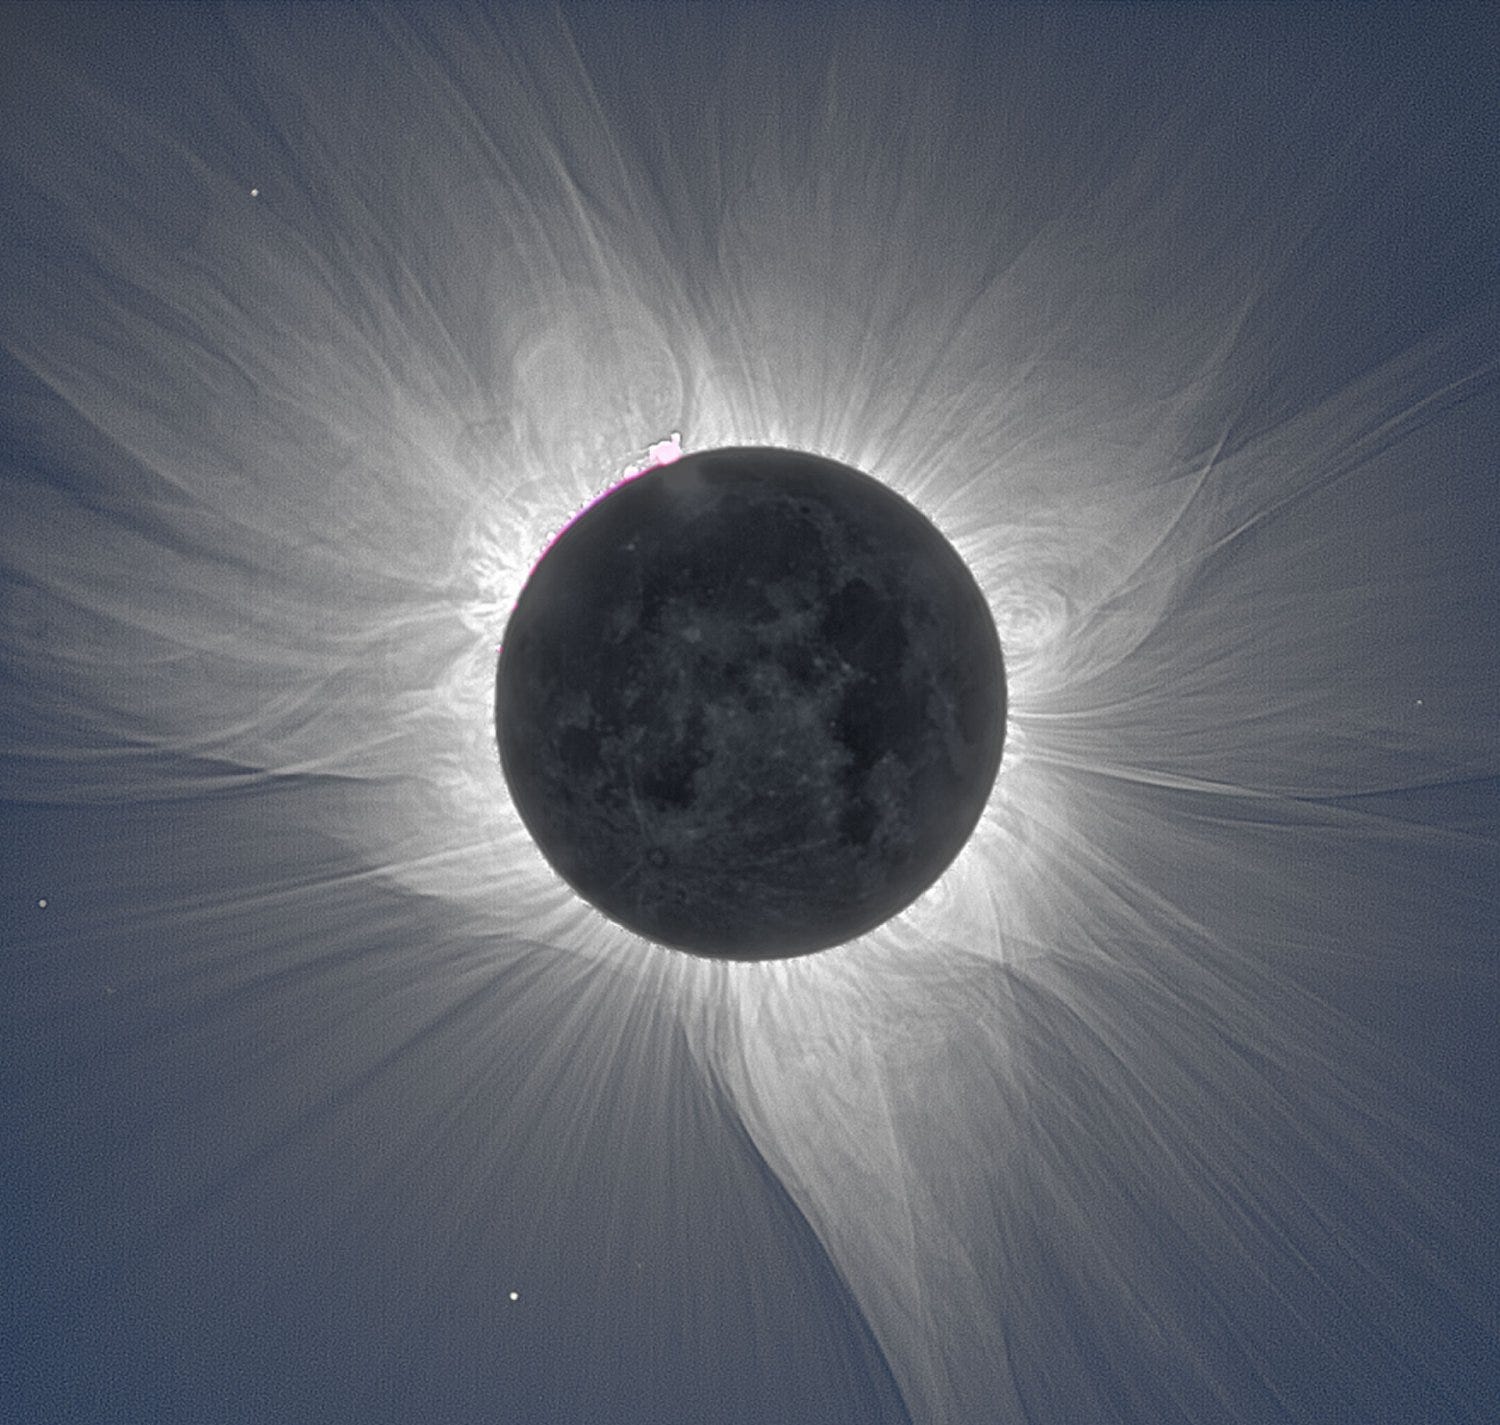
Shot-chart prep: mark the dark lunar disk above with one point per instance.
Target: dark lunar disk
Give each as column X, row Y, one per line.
column 750, row 704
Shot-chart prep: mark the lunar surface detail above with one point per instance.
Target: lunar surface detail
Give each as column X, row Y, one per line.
column 751, row 704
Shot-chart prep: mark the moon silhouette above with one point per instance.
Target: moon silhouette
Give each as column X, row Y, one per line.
column 751, row 704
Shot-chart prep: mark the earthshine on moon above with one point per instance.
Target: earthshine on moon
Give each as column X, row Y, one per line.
column 751, row 705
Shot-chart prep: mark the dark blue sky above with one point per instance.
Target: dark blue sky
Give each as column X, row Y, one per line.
column 1180, row 320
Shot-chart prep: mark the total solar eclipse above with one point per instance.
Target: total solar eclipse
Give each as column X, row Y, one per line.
column 751, row 704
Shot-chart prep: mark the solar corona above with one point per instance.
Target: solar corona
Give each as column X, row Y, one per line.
column 740, row 714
